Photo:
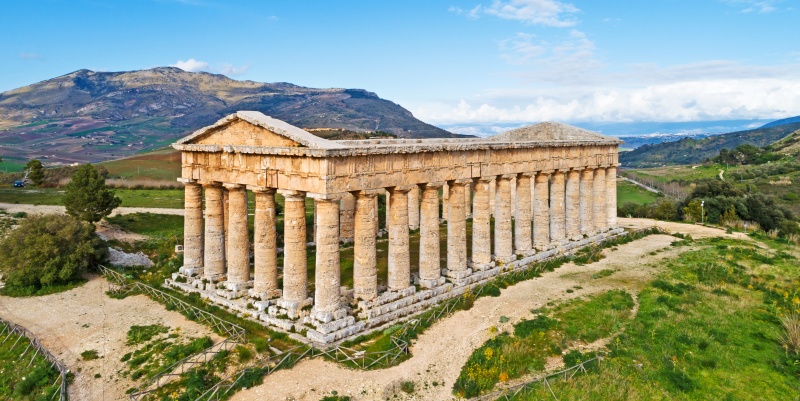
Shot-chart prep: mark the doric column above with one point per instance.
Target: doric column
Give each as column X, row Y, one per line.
column 456, row 231
column 399, row 256
column 572, row 211
column 586, row 206
column 214, row 252
column 446, row 202
column 468, row 199
column 557, row 232
column 492, row 196
column 295, row 270
column 346, row 217
column 327, row 280
column 599, row 192
column 225, row 217
column 429, row 268
column 503, row 246
column 413, row 208
column 388, row 215
column 192, row 227
column 365, row 273
column 611, row 197
column 265, row 255
column 522, row 215
column 541, row 211
column 238, row 255
column 481, row 224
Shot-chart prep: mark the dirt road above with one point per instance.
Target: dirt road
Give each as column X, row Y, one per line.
column 48, row 209
column 85, row 318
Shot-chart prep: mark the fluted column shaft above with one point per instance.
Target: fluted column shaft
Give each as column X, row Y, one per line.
column 193, row 226
column 346, row 217
column 456, row 229
column 214, row 252
column 265, row 255
column 599, row 191
column 586, row 203
column 413, row 208
column 503, row 237
column 611, row 197
column 573, row 198
column 446, row 202
column 327, row 280
column 557, row 231
column 225, row 217
column 238, row 239
column 541, row 211
column 522, row 215
column 429, row 248
column 365, row 272
column 481, row 224
column 295, row 270
column 492, row 196
column 468, row 199
column 399, row 257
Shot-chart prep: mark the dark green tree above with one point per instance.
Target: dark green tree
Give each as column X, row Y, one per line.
column 35, row 172
column 87, row 198
column 49, row 250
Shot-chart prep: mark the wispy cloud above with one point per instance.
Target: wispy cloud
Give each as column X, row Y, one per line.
column 755, row 6
column 570, row 60
column 228, row 69
column 534, row 12
column 30, row 56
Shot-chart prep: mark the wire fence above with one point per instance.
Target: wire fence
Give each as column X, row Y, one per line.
column 36, row 346
column 530, row 386
column 119, row 284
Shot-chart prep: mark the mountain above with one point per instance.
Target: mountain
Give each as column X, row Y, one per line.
column 784, row 121
column 789, row 145
column 690, row 150
column 88, row 116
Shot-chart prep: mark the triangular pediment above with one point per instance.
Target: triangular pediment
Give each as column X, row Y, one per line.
column 549, row 131
column 252, row 128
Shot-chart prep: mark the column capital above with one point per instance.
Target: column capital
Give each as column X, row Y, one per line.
column 400, row 189
column 545, row 172
column 187, row 180
column 233, row 185
column 330, row 197
column 258, row 189
column 484, row 179
column 576, row 168
column 437, row 184
column 460, row 181
column 292, row 194
column 207, row 184
column 506, row 176
column 526, row 174
column 367, row 193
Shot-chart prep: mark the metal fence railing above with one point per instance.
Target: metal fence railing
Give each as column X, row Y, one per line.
column 36, row 346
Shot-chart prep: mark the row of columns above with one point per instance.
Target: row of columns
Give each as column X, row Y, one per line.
column 564, row 205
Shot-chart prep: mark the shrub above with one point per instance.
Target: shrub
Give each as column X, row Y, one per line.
column 49, row 250
column 89, row 355
column 87, row 198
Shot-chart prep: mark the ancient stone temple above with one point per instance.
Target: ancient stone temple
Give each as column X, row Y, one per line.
column 556, row 183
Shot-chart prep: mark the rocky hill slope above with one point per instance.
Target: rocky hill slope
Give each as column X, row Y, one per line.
column 91, row 116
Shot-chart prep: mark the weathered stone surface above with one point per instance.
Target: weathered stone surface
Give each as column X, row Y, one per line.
column 347, row 212
column 599, row 199
column 413, row 208
column 503, row 236
column 481, row 224
column 572, row 210
column 611, row 197
column 365, row 273
column 265, row 255
column 214, row 253
column 456, row 229
column 327, row 277
column 193, row 225
column 586, row 203
column 399, row 258
column 557, row 229
column 523, row 241
column 238, row 251
column 541, row 211
column 295, row 273
column 429, row 265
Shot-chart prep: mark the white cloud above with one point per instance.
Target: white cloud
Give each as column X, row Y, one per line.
column 30, row 56
column 755, row 6
column 231, row 70
column 691, row 100
column 191, row 65
column 571, row 60
column 535, row 12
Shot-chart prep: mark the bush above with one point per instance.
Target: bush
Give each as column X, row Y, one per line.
column 50, row 250
column 86, row 196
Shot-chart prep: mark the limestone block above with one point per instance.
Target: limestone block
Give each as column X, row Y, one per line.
column 413, row 209
column 572, row 211
column 327, row 277
column 429, row 241
column 586, row 201
column 347, row 209
column 541, row 212
column 481, row 223
column 214, row 238
column 611, row 197
column 399, row 257
column 503, row 246
column 456, row 229
column 295, row 273
column 265, row 252
column 238, row 250
column 522, row 216
column 557, row 218
column 193, row 226
column 599, row 191
column 365, row 273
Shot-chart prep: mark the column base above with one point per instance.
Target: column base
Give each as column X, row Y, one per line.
column 482, row 266
column 458, row 274
column 318, row 317
column 191, row 271
column 264, row 295
column 504, row 259
column 231, row 290
column 292, row 309
column 431, row 283
column 525, row 252
column 215, row 278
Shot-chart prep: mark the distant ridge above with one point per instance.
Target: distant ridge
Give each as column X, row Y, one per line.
column 690, row 150
column 790, row 120
column 88, row 116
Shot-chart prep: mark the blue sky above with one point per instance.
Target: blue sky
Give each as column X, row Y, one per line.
column 482, row 61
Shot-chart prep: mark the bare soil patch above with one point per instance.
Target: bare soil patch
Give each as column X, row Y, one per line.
column 442, row 350
column 49, row 209
column 85, row 318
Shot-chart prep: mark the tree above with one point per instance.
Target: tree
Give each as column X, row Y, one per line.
column 665, row 210
column 693, row 211
column 49, row 250
column 35, row 172
column 87, row 198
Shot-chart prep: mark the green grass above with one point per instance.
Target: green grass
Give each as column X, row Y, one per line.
column 20, row 382
column 627, row 192
column 162, row 164
column 140, row 334
column 150, row 224
column 706, row 329
column 159, row 198
column 510, row 356
column 32, row 291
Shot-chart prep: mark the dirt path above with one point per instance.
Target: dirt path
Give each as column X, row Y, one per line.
column 443, row 349
column 85, row 318
column 49, row 209
column 695, row 230
column 721, row 172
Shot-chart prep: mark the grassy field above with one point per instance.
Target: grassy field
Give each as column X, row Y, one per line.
column 161, row 198
column 708, row 328
column 627, row 192
column 162, row 164
column 21, row 379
